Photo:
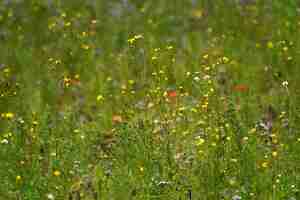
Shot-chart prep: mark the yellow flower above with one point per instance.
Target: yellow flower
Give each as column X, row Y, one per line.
column 67, row 81
column 84, row 34
column 131, row 40
column 56, row 173
column 6, row 70
column 138, row 36
column 18, row 178
column 85, row 46
column 68, row 24
column 232, row 182
column 7, row 135
column 134, row 38
column 270, row 45
column 265, row 164
column 225, row 59
column 253, row 130
column 131, row 82
column 274, row 154
column 200, row 141
column 77, row 76
column 100, row 97
column 76, row 130
column 154, row 58
column 142, row 169
column 8, row 115
column 197, row 14
column 169, row 47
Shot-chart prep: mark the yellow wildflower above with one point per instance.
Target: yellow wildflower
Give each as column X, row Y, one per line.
column 18, row 178
column 225, row 59
column 197, row 14
column 8, row 115
column 131, row 82
column 6, row 70
column 56, row 173
column 270, row 45
column 100, row 97
column 265, row 164
column 274, row 154
column 200, row 141
column 142, row 169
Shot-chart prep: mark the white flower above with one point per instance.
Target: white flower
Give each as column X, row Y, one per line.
column 236, row 197
column 206, row 77
column 50, row 196
column 285, row 83
column 163, row 183
column 4, row 141
column 196, row 78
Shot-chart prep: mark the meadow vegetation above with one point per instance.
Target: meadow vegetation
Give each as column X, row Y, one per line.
column 150, row 100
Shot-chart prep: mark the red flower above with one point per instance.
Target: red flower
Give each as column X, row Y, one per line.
column 172, row 94
column 240, row 88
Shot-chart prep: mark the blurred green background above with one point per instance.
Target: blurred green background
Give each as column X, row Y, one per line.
column 78, row 80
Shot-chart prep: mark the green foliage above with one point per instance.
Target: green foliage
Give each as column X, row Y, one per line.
column 149, row 99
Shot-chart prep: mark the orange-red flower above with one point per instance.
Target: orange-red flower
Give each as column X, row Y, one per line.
column 172, row 94
column 117, row 119
column 240, row 88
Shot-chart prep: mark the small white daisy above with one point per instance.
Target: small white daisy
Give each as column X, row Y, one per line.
column 285, row 83
column 50, row 196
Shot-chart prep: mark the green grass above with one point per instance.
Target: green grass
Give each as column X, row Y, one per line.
column 169, row 99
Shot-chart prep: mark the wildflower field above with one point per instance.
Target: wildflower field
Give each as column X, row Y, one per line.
column 149, row 100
